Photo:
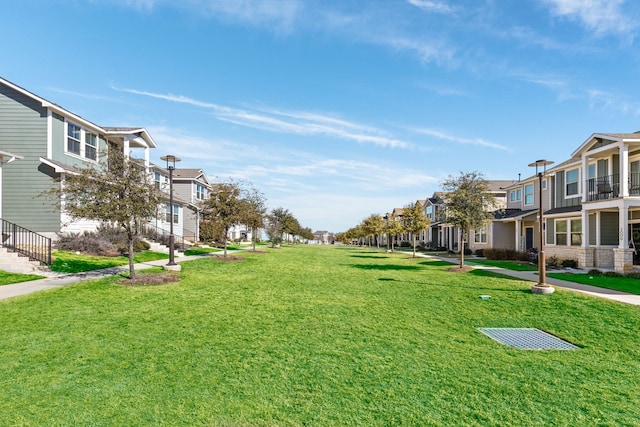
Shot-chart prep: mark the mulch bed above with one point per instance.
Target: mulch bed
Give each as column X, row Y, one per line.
column 458, row 269
column 150, row 279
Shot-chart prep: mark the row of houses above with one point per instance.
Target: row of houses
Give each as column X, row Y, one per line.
column 590, row 204
column 41, row 142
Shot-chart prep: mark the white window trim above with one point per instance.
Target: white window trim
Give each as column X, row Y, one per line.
column 533, row 195
column 578, row 192
column 83, row 143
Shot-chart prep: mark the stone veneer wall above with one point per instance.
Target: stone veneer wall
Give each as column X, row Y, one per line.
column 586, row 257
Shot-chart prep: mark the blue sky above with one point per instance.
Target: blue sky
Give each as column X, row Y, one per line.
column 338, row 109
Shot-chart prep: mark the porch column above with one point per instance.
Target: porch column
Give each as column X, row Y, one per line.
column 585, row 228
column 623, row 220
column 624, row 172
column 585, row 178
column 146, row 157
column 517, row 234
column 125, row 147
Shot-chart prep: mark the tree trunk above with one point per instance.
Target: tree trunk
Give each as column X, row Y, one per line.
column 226, row 239
column 253, row 235
column 414, row 245
column 461, row 253
column 132, row 270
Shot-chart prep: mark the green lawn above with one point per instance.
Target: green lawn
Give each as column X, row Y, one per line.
column 509, row 265
column 317, row 336
column 70, row 262
column 624, row 284
column 201, row 251
column 9, row 278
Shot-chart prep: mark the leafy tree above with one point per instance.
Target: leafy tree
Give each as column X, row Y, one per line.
column 393, row 228
column 278, row 220
column 253, row 211
column 225, row 207
column 469, row 203
column 118, row 191
column 373, row 226
column 306, row 233
column 415, row 221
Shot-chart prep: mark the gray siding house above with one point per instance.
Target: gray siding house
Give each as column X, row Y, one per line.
column 192, row 186
column 51, row 141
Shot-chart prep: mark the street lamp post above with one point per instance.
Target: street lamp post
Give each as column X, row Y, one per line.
column 541, row 287
column 171, row 165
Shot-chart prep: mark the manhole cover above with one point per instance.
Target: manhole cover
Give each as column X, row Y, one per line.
column 527, row 339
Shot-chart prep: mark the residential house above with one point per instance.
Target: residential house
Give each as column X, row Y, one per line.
column 590, row 203
column 192, row 186
column 166, row 212
column 51, row 142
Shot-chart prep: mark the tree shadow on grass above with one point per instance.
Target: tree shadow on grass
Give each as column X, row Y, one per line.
column 486, row 273
column 437, row 263
column 387, row 267
column 369, row 256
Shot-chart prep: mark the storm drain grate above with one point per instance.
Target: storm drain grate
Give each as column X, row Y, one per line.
column 527, row 339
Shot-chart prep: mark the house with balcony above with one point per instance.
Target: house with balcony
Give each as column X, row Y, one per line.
column 52, row 142
column 590, row 204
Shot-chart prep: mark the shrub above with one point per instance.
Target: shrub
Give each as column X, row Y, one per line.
column 595, row 272
column 569, row 263
column 506, row 254
column 552, row 261
column 612, row 274
column 633, row 275
column 480, row 252
column 87, row 243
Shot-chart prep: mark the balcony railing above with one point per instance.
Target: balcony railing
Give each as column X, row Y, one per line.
column 608, row 187
column 26, row 242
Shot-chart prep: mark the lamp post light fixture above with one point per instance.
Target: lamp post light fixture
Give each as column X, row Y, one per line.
column 171, row 165
column 541, row 287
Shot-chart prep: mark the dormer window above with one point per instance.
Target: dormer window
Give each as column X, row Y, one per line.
column 200, row 192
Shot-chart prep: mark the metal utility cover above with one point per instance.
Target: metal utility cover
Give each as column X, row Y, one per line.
column 527, row 339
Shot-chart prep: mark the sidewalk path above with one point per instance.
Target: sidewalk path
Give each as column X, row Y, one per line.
column 64, row 279
column 532, row 276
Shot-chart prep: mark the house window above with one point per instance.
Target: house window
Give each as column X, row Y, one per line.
column 90, row 145
column 544, row 184
column 571, row 186
column 515, row 195
column 561, row 232
column 168, row 213
column 200, row 192
column 481, row 234
column 528, row 194
column 74, row 136
column 576, row 232
column 569, row 232
column 159, row 180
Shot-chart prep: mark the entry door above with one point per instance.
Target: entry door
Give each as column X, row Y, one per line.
column 528, row 238
column 634, row 241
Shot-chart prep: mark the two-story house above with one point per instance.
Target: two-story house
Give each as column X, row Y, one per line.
column 192, row 186
column 590, row 204
column 51, row 142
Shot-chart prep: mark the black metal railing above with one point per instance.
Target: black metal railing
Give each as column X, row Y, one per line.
column 26, row 242
column 603, row 187
column 161, row 236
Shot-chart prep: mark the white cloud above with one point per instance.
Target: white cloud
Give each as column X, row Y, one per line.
column 599, row 16
column 433, row 6
column 299, row 123
column 467, row 141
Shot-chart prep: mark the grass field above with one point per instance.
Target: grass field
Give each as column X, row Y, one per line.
column 70, row 262
column 316, row 336
column 625, row 284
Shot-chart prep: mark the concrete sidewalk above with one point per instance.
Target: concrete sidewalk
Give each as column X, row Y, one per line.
column 57, row 280
column 532, row 276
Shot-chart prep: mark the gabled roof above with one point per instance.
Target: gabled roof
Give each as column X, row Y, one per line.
column 190, row 174
column 615, row 137
column 142, row 137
